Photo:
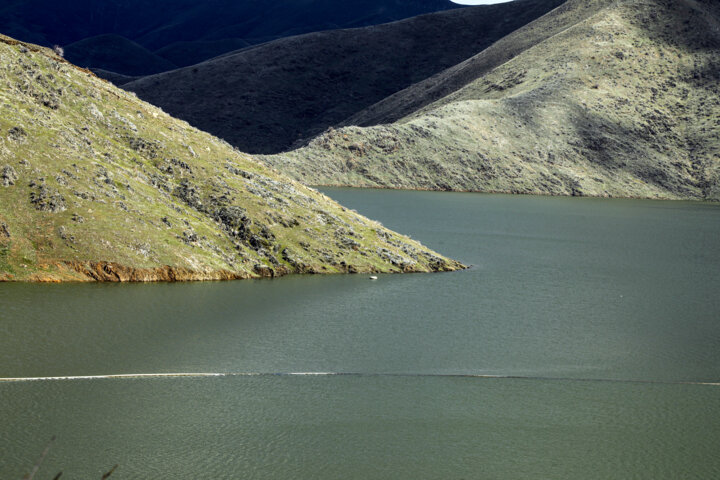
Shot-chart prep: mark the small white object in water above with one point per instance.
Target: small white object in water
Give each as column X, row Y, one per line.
column 373, row 277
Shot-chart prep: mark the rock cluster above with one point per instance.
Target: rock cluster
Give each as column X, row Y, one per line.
column 8, row 176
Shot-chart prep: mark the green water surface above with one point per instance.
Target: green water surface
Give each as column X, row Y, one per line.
column 607, row 310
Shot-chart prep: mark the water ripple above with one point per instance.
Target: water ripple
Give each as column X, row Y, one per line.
column 345, row 374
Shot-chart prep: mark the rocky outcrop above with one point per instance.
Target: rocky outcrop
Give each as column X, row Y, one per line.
column 114, row 272
column 8, row 176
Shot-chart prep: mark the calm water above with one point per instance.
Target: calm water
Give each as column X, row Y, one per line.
column 605, row 308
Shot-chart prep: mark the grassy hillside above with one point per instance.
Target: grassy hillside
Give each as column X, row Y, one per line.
column 413, row 98
column 266, row 98
column 614, row 98
column 97, row 185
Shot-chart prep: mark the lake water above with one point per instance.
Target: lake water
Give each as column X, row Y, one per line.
column 603, row 317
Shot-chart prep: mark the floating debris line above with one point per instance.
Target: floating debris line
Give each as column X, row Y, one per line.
column 343, row 374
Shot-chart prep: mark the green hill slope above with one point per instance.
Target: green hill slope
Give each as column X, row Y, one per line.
column 98, row 185
column 615, row 98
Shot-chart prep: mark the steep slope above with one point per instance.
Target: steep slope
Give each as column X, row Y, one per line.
column 116, row 54
column 263, row 99
column 97, row 185
column 621, row 100
column 160, row 23
column 413, row 98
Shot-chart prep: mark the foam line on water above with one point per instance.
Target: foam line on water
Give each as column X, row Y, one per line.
column 113, row 376
column 347, row 374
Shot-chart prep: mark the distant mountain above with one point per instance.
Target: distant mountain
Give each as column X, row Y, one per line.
column 599, row 97
column 184, row 54
column 116, row 53
column 264, row 99
column 115, row 78
column 171, row 27
column 98, row 185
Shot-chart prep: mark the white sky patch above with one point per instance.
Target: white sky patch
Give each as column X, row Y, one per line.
column 479, row 2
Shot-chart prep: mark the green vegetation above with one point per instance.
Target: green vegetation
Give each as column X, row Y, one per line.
column 599, row 98
column 98, row 185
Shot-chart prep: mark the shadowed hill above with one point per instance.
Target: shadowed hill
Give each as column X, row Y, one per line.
column 116, row 54
column 263, row 99
column 98, row 185
column 115, row 78
column 200, row 29
column 615, row 98
column 184, row 54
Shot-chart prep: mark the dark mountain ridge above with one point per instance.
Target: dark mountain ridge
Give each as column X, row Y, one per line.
column 266, row 98
column 116, row 53
column 213, row 24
